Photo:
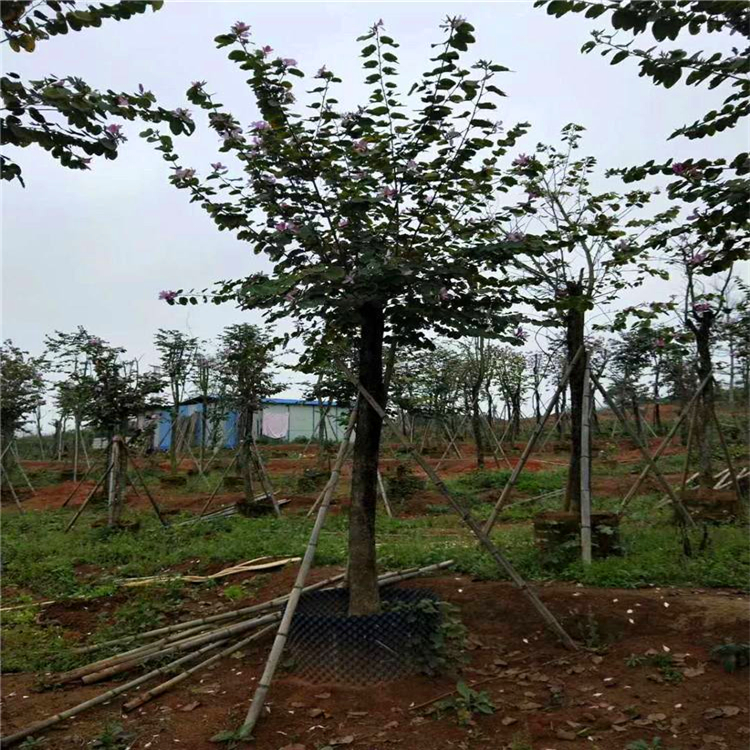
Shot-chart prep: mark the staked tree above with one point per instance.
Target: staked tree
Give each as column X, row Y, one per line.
column 371, row 218
column 177, row 353
column 246, row 374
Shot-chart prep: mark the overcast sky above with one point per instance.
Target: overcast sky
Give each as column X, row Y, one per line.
column 95, row 248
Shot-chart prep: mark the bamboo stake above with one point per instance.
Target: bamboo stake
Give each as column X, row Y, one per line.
column 38, row 726
column 667, row 440
column 686, row 468
column 13, row 492
column 160, row 689
column 728, row 456
column 498, row 445
column 151, row 499
column 78, row 486
column 219, row 483
column 453, row 442
column 14, row 450
column 536, row 433
column 260, row 470
column 88, row 498
column 280, row 641
column 381, row 487
column 586, row 466
column 466, row 516
column 681, row 510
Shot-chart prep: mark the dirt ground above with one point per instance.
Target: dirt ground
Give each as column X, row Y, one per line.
column 544, row 695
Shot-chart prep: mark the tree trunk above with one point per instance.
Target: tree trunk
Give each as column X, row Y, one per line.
column 705, row 406
column 575, row 320
column 476, row 425
column 245, row 458
column 117, row 481
column 637, row 415
column 364, row 597
column 174, row 416
column 657, row 406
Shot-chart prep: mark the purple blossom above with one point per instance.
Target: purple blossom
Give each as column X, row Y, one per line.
column 660, row 343
column 122, row 101
column 197, row 85
column 411, row 166
column 114, row 130
column 522, row 160
column 141, row 90
column 183, row 114
column 452, row 135
column 267, row 50
column 167, row 295
column 389, row 192
column 695, row 216
column 184, row 174
column 457, row 21
column 521, row 334
column 349, row 279
column 289, row 62
column 218, row 167
column 533, row 195
column 361, row 146
column 322, row 72
column 269, row 178
column 287, row 226
column 622, row 245
column 343, row 223
column 701, row 307
column 241, row 31
column 679, row 167
column 260, row 125
column 697, row 259
column 515, row 237
column 443, row 294
column 291, row 294
column 94, row 341
column 85, row 161
column 377, row 25
column 234, row 134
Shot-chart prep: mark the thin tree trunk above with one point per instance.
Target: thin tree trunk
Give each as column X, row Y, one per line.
column 476, row 425
column 657, row 406
column 364, row 597
column 706, row 404
column 574, row 338
column 245, row 449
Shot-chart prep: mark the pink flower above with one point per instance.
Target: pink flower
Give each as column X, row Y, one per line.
column 168, row 295
column 322, row 72
column 97, row 341
column 289, row 62
column 443, row 294
column 241, row 31
column 260, row 125
column 197, row 85
column 122, row 101
column 287, row 226
column 697, row 259
column 389, row 192
column 377, row 25
column 522, row 160
column 343, row 223
column 701, row 307
column 183, row 114
column 515, row 237
column 218, row 167
column 660, row 343
column 114, row 130
column 411, row 166
column 291, row 294
column 361, row 146
column 267, row 50
column 234, row 134
column 679, row 167
column 184, row 174
column 521, row 334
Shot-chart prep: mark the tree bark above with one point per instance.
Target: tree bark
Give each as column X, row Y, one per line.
column 245, row 447
column 476, row 425
column 575, row 320
column 706, row 402
column 364, row 596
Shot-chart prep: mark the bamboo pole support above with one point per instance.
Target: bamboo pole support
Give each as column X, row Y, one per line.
column 728, row 456
column 218, row 484
column 165, row 686
column 586, row 466
column 151, row 499
column 681, row 509
column 498, row 444
column 13, row 492
column 260, row 470
column 78, row 486
column 454, row 443
column 14, row 451
column 468, row 519
column 38, row 726
column 88, row 498
column 536, row 433
column 667, row 440
column 383, row 494
column 264, row 684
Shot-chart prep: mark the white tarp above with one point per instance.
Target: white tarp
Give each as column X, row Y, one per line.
column 275, row 424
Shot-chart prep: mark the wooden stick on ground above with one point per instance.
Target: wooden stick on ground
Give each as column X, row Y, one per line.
column 466, row 516
column 538, row 429
column 38, row 726
column 280, row 641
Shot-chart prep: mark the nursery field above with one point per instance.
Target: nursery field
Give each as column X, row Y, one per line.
column 660, row 626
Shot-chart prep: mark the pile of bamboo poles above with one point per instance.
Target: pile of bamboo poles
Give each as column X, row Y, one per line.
column 191, row 646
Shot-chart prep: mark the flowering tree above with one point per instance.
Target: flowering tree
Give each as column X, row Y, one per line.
column 207, row 380
column 64, row 115
column 21, row 390
column 372, row 218
column 720, row 186
column 576, row 250
column 246, row 359
column 177, row 354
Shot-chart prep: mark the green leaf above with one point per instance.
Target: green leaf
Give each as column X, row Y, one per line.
column 619, row 57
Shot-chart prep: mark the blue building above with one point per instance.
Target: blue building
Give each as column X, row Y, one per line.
column 283, row 419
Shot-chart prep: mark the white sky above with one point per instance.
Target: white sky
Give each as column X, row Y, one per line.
column 95, row 248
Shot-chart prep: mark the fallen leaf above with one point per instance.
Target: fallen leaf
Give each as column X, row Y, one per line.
column 693, row 671
column 391, row 725
column 656, row 717
column 323, row 696
column 297, row 704
column 529, row 706
column 597, row 659
column 713, row 713
column 564, row 734
column 730, row 710
column 190, row 706
column 342, row 740
column 315, row 712
column 713, row 739
column 508, row 720
column 355, row 714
